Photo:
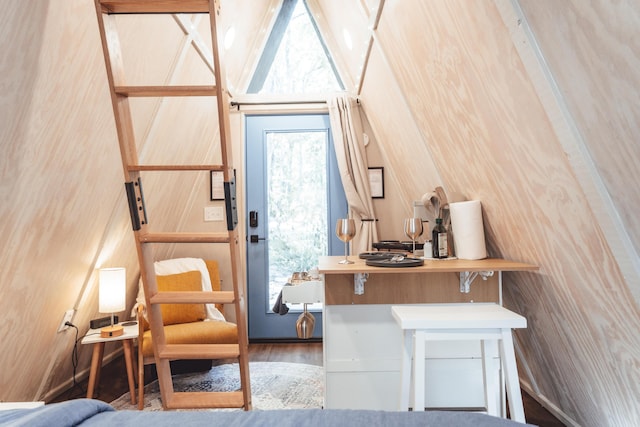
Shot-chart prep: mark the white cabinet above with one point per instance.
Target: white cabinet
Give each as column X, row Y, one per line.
column 362, row 348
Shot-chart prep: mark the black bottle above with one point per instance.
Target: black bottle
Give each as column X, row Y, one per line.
column 440, row 240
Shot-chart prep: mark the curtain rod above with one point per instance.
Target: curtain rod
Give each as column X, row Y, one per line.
column 239, row 104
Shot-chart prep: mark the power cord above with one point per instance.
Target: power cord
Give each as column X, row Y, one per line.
column 74, row 356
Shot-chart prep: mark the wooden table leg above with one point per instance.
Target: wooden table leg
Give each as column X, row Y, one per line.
column 96, row 365
column 128, row 360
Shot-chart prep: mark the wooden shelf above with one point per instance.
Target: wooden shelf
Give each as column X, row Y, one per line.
column 331, row 265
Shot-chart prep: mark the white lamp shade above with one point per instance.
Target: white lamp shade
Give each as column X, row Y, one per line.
column 112, row 291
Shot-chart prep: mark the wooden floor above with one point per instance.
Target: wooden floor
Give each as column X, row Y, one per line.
column 114, row 377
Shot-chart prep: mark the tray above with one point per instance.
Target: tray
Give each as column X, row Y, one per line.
column 390, row 262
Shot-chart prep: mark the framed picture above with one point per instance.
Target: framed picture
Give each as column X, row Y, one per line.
column 376, row 182
column 217, row 185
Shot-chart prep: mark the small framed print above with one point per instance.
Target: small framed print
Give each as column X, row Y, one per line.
column 376, row 182
column 217, row 185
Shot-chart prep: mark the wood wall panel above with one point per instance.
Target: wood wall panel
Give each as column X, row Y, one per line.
column 59, row 198
column 338, row 21
column 252, row 21
column 408, row 165
column 491, row 139
column 598, row 67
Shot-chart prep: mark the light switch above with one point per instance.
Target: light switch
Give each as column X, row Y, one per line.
column 214, row 213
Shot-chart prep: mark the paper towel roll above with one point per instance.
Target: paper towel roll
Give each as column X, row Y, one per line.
column 468, row 230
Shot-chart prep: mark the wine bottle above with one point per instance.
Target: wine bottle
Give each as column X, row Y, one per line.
column 440, row 240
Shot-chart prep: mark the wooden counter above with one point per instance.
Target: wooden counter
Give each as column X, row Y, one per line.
column 330, row 265
column 411, row 285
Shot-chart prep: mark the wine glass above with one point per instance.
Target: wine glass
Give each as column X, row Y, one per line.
column 345, row 230
column 413, row 229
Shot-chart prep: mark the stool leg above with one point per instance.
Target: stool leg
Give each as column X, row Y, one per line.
column 489, row 377
column 419, row 371
column 511, row 376
column 405, row 369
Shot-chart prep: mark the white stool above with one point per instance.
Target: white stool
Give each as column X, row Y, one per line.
column 467, row 321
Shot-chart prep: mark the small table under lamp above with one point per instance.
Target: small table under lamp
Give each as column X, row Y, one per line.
column 112, row 297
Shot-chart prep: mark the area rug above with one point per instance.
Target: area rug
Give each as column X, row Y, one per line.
column 274, row 385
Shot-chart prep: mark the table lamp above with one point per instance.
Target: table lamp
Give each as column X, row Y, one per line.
column 111, row 298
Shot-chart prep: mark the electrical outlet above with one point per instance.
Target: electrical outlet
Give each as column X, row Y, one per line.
column 68, row 316
column 213, row 213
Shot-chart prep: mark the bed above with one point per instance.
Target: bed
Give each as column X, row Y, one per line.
column 90, row 412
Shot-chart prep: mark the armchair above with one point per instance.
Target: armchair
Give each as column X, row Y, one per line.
column 183, row 323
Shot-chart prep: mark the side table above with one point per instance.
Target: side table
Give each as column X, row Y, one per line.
column 93, row 337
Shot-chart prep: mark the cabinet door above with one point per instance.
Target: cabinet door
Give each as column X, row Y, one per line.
column 362, row 349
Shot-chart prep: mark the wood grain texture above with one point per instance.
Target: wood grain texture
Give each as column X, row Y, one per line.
column 597, row 64
column 491, row 140
column 251, row 22
column 408, row 287
column 47, row 252
column 346, row 31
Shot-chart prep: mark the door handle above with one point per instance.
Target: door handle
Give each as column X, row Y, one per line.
column 254, row 238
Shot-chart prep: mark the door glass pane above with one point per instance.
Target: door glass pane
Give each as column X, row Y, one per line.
column 297, row 204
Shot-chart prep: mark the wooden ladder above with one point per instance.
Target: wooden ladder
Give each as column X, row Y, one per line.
column 144, row 238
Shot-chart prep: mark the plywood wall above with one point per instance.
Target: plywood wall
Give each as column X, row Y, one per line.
column 529, row 106
column 537, row 136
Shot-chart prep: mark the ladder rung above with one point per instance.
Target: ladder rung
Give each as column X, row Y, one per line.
column 205, row 399
column 155, row 6
column 195, row 297
column 133, row 168
column 162, row 91
column 199, row 351
column 184, row 238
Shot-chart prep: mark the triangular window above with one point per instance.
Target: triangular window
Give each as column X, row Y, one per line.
column 295, row 59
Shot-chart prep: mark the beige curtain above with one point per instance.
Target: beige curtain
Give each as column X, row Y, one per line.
column 350, row 142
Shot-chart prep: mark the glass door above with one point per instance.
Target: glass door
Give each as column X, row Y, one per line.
column 294, row 197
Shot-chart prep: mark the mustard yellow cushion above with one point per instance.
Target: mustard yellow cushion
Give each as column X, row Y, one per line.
column 181, row 313
column 209, row 332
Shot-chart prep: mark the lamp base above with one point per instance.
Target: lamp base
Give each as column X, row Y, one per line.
column 111, row 331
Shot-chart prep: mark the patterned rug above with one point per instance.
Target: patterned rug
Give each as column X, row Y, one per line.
column 274, row 385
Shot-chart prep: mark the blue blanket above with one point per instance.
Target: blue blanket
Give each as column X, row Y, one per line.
column 88, row 413
column 71, row 413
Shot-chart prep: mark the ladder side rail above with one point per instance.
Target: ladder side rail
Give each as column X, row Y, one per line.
column 154, row 313
column 234, row 248
column 126, row 139
column 222, row 98
column 115, row 75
